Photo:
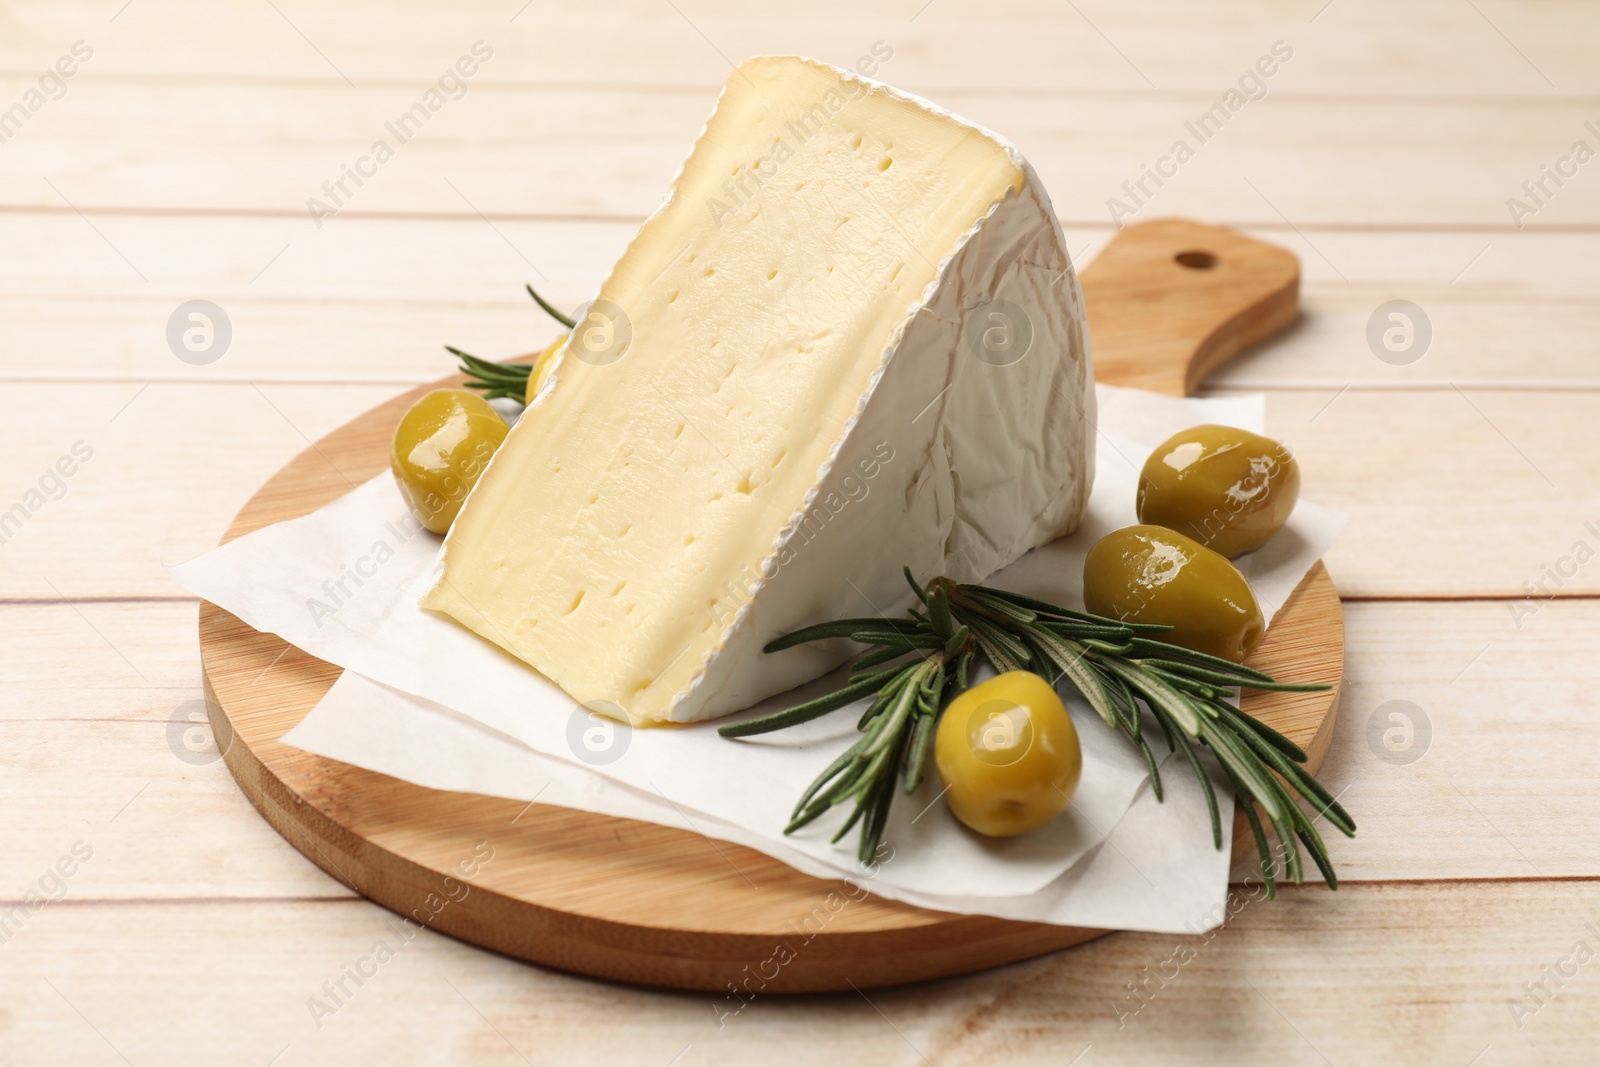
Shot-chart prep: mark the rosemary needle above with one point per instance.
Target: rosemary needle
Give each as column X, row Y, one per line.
column 497, row 380
column 1119, row 668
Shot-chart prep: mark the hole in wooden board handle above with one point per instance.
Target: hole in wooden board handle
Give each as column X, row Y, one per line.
column 1162, row 327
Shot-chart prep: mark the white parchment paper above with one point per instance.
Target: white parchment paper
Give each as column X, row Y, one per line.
column 431, row 703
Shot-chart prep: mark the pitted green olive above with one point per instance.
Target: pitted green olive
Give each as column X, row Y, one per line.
column 1153, row 574
column 440, row 448
column 1008, row 755
column 1227, row 488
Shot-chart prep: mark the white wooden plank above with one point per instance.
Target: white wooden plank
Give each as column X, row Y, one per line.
column 1390, row 975
column 383, row 261
column 1368, row 975
column 375, row 299
column 1480, row 337
column 159, row 821
column 105, row 663
column 399, row 342
column 411, row 259
column 1424, row 47
column 1478, row 341
column 170, row 465
column 1479, row 771
column 1310, row 159
column 1452, row 492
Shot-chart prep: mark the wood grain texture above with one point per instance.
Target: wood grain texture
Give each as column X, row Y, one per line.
column 1161, row 45
column 1406, row 974
column 1315, row 161
column 671, row 907
column 381, row 296
column 182, row 459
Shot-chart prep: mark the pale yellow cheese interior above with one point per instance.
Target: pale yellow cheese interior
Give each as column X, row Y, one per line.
column 802, row 232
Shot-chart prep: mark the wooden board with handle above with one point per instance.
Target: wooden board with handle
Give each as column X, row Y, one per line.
column 1168, row 301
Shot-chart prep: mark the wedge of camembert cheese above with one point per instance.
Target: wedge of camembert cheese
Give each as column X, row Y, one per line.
column 850, row 340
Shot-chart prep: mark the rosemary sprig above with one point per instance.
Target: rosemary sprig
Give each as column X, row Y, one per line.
column 497, row 380
column 502, row 380
column 1120, row 668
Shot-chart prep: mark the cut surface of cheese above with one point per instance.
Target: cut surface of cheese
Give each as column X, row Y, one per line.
column 850, row 340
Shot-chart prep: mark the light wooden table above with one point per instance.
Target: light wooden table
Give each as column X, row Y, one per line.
column 175, row 164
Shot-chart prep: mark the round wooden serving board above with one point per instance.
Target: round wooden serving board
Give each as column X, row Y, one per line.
column 627, row 900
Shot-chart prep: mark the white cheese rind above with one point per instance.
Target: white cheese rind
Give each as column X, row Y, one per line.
column 1018, row 438
column 950, row 462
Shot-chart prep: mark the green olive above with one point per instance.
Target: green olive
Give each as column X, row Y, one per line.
column 1008, row 755
column 541, row 368
column 1152, row 574
column 1227, row 488
column 440, row 448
